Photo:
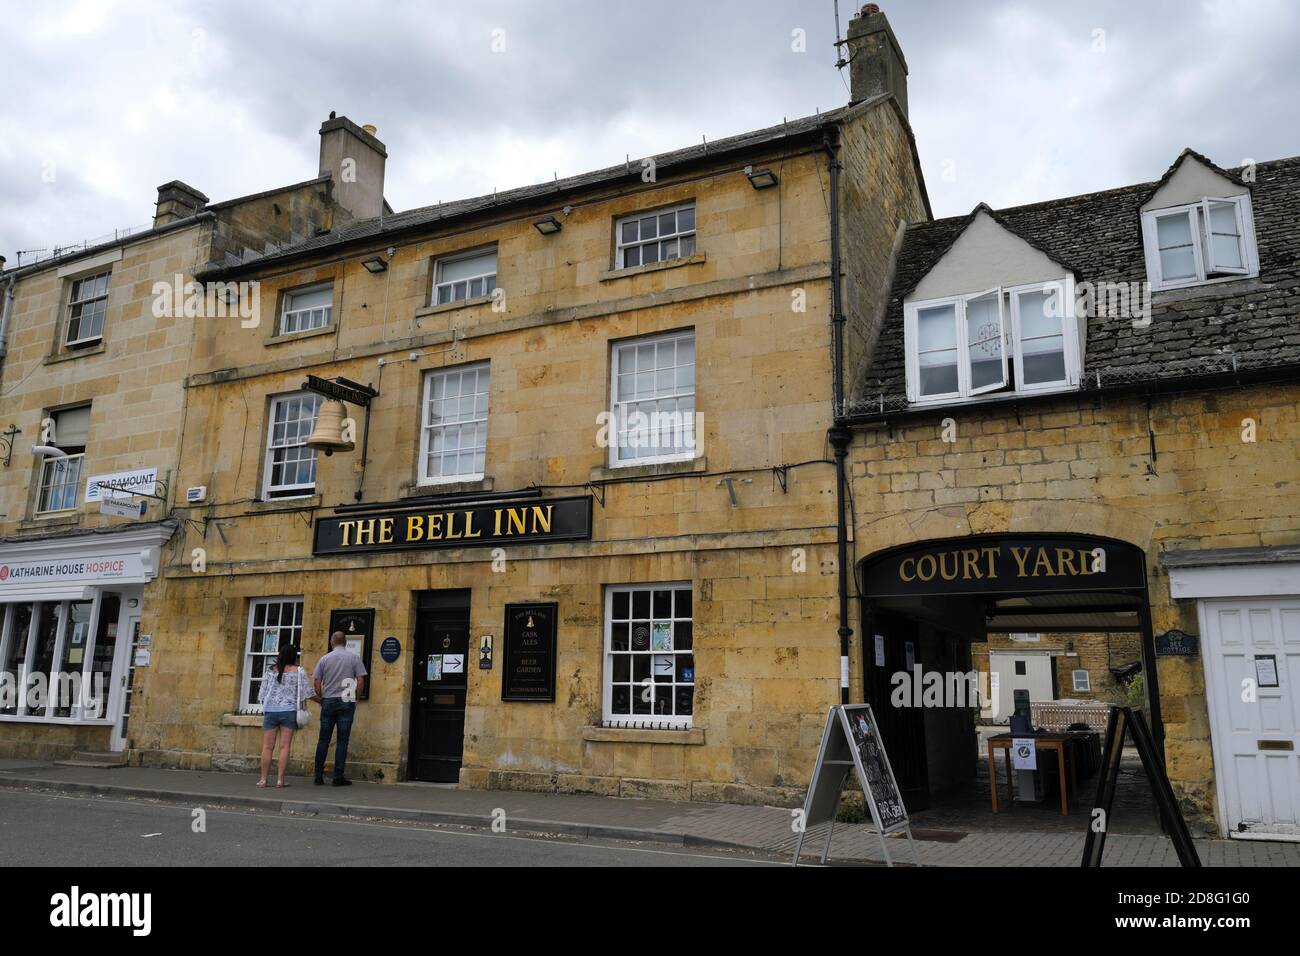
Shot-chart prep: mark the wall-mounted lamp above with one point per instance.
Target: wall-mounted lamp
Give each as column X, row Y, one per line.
column 7, row 442
column 761, row 178
column 375, row 264
column 48, row 451
column 548, row 226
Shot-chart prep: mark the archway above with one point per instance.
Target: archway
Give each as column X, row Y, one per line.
column 925, row 603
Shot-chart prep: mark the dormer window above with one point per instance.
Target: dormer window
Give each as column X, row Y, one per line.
column 1007, row 339
column 1212, row 240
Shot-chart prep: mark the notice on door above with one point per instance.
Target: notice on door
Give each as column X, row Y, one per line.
column 529, row 652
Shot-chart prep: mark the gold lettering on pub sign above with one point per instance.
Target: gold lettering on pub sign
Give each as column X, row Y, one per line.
column 980, row 564
column 507, row 522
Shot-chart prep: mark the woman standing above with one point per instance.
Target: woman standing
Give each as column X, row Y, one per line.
column 284, row 688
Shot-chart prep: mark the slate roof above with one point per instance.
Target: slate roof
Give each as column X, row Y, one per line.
column 665, row 164
column 1229, row 326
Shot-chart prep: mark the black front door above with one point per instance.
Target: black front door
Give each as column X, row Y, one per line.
column 438, row 707
column 902, row 729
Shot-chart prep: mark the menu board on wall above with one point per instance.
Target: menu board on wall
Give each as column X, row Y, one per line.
column 529, row 652
column 358, row 627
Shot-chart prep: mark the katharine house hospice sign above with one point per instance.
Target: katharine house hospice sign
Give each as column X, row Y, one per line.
column 449, row 526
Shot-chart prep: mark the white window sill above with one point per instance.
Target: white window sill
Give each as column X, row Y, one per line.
column 1197, row 283
column 690, row 736
column 611, row 274
column 991, row 397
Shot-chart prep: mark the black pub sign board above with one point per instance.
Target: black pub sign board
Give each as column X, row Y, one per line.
column 453, row 526
column 529, row 653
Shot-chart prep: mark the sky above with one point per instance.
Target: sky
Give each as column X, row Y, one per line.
column 1011, row 102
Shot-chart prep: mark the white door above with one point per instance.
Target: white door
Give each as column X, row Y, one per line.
column 1018, row 670
column 1252, row 673
column 125, row 671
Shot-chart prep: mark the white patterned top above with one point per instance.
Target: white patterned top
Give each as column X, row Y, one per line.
column 278, row 696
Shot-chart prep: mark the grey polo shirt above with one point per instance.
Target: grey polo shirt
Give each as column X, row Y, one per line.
column 336, row 667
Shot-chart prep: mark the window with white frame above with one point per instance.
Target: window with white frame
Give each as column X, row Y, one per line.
column 60, row 479
column 470, row 276
column 87, row 302
column 1082, row 681
column 290, row 470
column 307, row 309
column 81, row 636
column 272, row 622
column 653, row 400
column 453, row 433
column 649, row 656
column 1207, row 241
column 655, row 236
column 1006, row 339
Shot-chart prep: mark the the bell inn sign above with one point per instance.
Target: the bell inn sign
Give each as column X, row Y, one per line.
column 450, row 526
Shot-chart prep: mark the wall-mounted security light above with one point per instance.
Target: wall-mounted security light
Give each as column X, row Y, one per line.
column 375, row 264
column 761, row 178
column 548, row 226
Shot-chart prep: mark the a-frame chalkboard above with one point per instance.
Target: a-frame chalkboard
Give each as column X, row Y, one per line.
column 851, row 742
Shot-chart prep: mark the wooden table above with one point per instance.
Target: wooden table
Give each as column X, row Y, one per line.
column 1056, row 742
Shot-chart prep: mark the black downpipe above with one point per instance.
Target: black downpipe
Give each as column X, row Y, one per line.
column 839, row 437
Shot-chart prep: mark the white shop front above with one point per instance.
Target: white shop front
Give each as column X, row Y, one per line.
column 70, row 635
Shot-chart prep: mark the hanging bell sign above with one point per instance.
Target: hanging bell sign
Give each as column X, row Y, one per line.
column 328, row 436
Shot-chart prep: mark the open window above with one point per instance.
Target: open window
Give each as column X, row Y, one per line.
column 1206, row 241
column 985, row 337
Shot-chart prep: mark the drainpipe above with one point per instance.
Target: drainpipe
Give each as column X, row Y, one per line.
column 6, row 307
column 839, row 437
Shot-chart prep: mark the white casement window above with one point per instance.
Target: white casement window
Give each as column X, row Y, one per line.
column 271, row 623
column 649, row 656
column 652, row 415
column 290, row 470
column 655, row 236
column 307, row 309
column 63, row 653
column 457, row 278
column 1007, row 339
column 453, row 432
column 60, row 478
column 1082, row 681
column 1208, row 241
column 87, row 302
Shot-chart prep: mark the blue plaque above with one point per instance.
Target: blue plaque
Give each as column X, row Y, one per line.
column 391, row 649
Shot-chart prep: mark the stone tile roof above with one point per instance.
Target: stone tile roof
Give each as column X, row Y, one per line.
column 665, row 164
column 1247, row 323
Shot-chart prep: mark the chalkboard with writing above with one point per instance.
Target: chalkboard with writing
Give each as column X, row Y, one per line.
column 529, row 652
column 860, row 725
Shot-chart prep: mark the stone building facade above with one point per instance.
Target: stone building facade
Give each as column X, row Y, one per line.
column 1113, row 375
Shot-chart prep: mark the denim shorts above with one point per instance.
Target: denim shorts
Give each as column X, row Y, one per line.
column 272, row 719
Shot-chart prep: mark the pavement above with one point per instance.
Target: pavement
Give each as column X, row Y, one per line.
column 976, row 839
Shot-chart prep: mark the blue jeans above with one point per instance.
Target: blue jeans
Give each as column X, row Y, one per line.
column 334, row 711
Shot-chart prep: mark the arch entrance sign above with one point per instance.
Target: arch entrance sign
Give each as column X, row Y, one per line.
column 851, row 743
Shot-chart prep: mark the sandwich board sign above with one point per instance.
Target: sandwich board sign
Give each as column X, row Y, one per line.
column 851, row 743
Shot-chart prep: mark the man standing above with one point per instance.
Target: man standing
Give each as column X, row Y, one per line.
column 340, row 678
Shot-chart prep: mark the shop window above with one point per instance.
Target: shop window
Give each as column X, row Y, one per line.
column 1082, row 681
column 655, row 237
column 60, row 479
column 1206, row 241
column 87, row 303
column 653, row 400
column 453, row 434
column 649, row 656
column 1016, row 339
column 307, row 309
column 290, row 464
column 272, row 622
column 463, row 277
column 81, row 637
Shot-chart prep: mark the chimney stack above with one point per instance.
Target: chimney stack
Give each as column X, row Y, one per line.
column 876, row 63
column 176, row 200
column 354, row 158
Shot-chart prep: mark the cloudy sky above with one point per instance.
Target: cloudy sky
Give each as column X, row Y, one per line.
column 1011, row 102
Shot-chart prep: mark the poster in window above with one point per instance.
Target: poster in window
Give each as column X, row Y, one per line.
column 661, row 636
column 271, row 640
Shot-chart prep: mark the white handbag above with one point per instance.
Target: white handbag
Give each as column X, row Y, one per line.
column 304, row 715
